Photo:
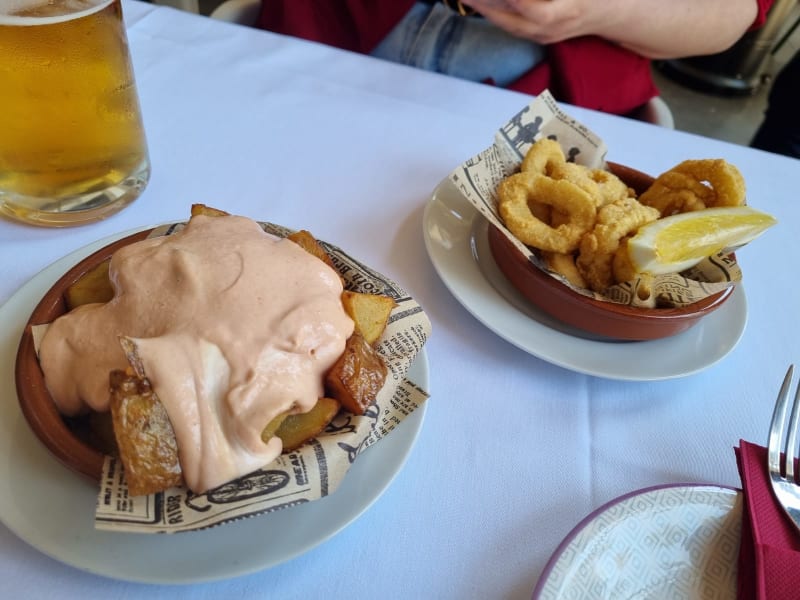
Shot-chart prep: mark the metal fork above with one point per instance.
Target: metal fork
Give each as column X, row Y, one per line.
column 783, row 477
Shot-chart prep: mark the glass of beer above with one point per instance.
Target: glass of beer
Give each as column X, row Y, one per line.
column 72, row 144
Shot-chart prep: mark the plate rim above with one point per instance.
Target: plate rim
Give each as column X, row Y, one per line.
column 60, row 549
column 734, row 309
column 594, row 514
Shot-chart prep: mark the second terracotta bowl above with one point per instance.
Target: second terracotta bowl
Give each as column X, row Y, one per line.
column 597, row 317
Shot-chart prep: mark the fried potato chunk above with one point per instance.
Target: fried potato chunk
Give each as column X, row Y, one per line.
column 357, row 377
column 296, row 430
column 208, row 211
column 272, row 427
column 309, row 243
column 144, row 433
column 370, row 313
column 94, row 286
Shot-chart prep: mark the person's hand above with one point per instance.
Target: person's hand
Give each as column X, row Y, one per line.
column 652, row 28
column 545, row 21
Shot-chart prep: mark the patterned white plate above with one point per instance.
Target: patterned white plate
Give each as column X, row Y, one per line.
column 679, row 541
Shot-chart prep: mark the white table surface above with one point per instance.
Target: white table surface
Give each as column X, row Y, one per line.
column 514, row 451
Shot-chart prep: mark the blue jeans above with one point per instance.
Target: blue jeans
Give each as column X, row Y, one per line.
column 435, row 38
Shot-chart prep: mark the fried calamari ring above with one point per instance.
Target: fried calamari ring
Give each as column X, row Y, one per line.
column 517, row 192
column 612, row 188
column 542, row 157
column 546, row 157
column 675, row 192
column 564, row 264
column 598, row 247
column 603, row 186
column 696, row 185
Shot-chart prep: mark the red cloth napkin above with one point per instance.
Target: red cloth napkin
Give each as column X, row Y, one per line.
column 769, row 554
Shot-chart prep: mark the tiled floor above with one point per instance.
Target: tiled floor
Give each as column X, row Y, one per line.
column 726, row 117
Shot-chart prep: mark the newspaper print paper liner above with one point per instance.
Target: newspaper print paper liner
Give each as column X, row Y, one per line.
column 478, row 177
column 306, row 474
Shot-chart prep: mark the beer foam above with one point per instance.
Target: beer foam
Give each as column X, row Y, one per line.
column 45, row 12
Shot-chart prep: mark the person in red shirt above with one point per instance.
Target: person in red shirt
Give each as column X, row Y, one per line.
column 591, row 54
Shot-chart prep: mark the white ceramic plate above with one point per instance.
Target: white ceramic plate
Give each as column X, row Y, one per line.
column 664, row 542
column 52, row 509
column 456, row 241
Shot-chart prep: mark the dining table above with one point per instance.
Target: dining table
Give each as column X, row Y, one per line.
column 528, row 429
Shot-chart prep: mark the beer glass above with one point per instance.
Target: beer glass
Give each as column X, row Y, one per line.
column 72, row 144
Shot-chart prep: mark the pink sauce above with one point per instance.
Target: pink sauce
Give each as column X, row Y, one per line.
column 233, row 326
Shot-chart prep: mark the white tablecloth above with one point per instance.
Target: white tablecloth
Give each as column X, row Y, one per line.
column 351, row 148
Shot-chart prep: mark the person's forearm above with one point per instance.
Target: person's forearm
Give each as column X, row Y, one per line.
column 658, row 29
column 653, row 28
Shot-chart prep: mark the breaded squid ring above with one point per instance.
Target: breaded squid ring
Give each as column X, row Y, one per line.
column 546, row 157
column 564, row 264
column 603, row 186
column 674, row 192
column 598, row 247
column 612, row 188
column 542, row 157
column 683, row 188
column 516, row 193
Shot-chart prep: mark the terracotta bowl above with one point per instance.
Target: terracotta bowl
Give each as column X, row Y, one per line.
column 75, row 441
column 606, row 319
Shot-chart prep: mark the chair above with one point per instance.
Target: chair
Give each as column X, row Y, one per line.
column 655, row 111
column 245, row 12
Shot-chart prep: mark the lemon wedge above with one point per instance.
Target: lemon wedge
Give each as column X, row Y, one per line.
column 675, row 243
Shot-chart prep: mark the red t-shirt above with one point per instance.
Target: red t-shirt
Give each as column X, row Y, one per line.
column 586, row 71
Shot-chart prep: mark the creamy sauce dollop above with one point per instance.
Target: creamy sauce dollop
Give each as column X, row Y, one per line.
column 233, row 326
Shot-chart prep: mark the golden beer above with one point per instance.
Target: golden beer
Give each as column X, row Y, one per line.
column 72, row 145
